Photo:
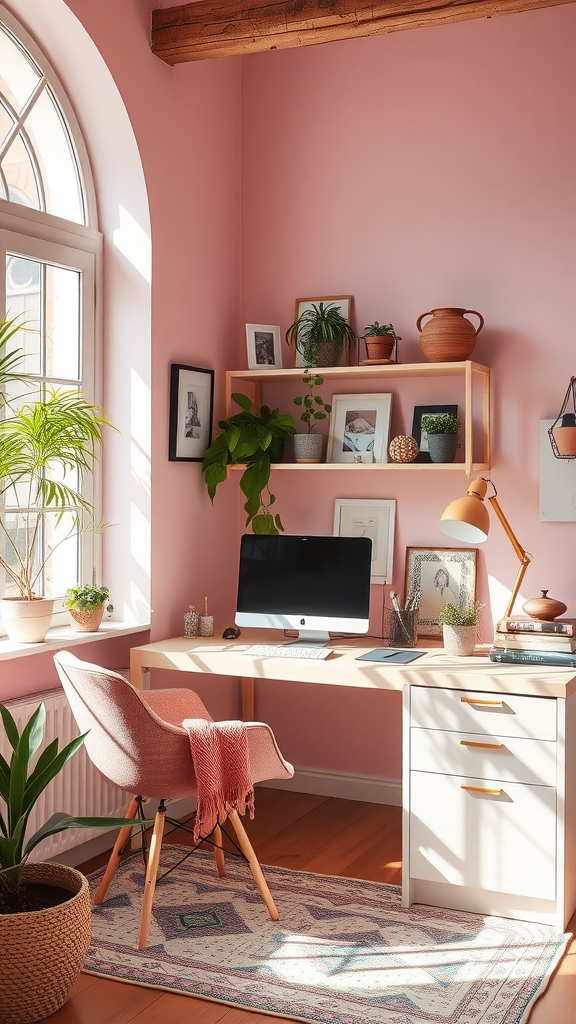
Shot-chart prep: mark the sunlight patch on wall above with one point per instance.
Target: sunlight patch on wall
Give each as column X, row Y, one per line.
column 132, row 241
column 499, row 597
column 140, row 539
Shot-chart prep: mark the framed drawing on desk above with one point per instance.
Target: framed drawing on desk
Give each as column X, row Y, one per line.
column 191, row 398
column 373, row 518
column 440, row 576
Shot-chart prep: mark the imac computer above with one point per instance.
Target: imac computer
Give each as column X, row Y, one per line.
column 315, row 585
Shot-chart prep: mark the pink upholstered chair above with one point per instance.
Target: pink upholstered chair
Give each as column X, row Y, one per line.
column 136, row 741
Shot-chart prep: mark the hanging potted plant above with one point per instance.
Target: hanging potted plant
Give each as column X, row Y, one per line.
column 308, row 446
column 45, row 914
column 255, row 440
column 87, row 605
column 47, row 447
column 442, row 429
column 321, row 334
column 381, row 341
column 460, row 628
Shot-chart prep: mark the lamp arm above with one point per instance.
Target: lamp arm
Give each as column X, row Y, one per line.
column 520, row 552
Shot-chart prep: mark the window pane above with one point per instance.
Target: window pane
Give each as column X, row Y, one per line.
column 20, row 176
column 62, row 323
column 18, row 75
column 6, row 123
column 52, row 145
column 24, row 296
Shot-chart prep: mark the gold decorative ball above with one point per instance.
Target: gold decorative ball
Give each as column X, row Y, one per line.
column 403, row 449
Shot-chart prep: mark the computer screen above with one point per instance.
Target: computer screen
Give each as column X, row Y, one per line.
column 315, row 585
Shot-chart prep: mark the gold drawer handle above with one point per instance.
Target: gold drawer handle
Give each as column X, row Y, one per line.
column 473, row 700
column 487, row 746
column 481, row 789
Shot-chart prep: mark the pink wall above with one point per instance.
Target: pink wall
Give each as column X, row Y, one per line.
column 426, row 168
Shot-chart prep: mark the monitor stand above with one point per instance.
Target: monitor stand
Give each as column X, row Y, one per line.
column 310, row 638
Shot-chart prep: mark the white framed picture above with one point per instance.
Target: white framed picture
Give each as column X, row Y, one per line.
column 359, row 428
column 263, row 344
column 373, row 518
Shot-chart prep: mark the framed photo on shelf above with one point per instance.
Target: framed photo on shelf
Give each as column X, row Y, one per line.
column 373, row 518
column 344, row 303
column 264, row 349
column 419, row 435
column 440, row 576
column 359, row 428
column 191, row 402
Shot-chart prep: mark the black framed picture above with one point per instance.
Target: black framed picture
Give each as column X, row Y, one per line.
column 191, row 402
column 419, row 435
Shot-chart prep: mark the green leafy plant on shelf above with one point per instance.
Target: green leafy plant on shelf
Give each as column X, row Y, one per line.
column 87, row 598
column 315, row 408
column 440, row 423
column 255, row 439
column 377, row 330
column 321, row 334
column 20, row 788
column 451, row 615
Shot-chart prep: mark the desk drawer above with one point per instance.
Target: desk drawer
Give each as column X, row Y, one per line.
column 485, row 713
column 503, row 841
column 495, row 757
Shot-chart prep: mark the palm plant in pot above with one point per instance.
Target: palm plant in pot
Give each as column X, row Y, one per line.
column 48, row 445
column 255, row 440
column 442, row 429
column 321, row 334
column 44, row 907
column 460, row 627
column 381, row 341
column 308, row 446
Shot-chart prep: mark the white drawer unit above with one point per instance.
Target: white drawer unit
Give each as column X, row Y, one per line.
column 489, row 793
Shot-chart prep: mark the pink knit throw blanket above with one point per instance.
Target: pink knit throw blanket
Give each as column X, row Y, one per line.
column 222, row 769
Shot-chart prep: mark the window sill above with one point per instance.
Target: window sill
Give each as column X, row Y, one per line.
column 64, row 636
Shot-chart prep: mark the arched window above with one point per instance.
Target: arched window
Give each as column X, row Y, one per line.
column 50, row 254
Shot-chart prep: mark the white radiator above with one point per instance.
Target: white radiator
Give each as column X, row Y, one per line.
column 78, row 789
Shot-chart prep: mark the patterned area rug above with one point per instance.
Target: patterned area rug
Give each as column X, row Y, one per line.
column 343, row 951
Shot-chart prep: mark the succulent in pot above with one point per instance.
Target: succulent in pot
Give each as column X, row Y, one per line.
column 321, row 334
column 460, row 627
column 45, row 915
column 308, row 446
column 442, row 429
column 48, row 444
column 381, row 340
column 87, row 605
column 256, row 440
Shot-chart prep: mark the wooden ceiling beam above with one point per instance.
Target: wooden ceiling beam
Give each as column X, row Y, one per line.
column 225, row 28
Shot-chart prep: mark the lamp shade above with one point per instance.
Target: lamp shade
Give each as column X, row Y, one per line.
column 467, row 518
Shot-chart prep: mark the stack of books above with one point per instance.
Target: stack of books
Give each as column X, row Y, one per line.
column 524, row 641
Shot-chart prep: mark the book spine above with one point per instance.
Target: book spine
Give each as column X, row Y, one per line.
column 534, row 626
column 539, row 642
column 559, row 658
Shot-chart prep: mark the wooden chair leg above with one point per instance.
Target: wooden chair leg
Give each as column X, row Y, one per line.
column 116, row 855
column 246, row 847
column 219, row 852
column 151, row 873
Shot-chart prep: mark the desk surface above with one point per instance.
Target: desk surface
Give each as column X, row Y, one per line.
column 214, row 656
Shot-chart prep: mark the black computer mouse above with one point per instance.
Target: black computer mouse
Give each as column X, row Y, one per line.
column 231, row 633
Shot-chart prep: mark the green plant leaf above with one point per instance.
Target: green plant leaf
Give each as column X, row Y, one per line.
column 264, row 524
column 10, row 727
column 59, row 822
column 298, row 400
column 278, row 523
column 242, row 401
column 4, row 779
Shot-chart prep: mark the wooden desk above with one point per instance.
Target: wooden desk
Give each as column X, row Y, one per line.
column 489, row 765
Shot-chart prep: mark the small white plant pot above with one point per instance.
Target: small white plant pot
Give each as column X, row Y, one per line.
column 459, row 641
column 26, row 622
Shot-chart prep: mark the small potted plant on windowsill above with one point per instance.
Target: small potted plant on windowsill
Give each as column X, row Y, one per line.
column 442, row 429
column 308, row 446
column 321, row 334
column 381, row 341
column 460, row 628
column 87, row 605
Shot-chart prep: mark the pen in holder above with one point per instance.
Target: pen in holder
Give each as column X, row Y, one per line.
column 399, row 627
column 206, row 621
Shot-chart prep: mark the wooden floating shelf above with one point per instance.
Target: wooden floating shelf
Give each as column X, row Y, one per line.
column 367, row 466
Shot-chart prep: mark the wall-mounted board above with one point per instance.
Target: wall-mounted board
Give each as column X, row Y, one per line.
column 557, row 482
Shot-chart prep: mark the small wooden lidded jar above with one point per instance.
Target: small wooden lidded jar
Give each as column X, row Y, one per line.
column 544, row 608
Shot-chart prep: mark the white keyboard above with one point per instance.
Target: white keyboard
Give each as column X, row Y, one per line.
column 291, row 651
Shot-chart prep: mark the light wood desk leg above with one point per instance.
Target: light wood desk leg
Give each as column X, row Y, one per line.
column 247, row 700
column 139, row 674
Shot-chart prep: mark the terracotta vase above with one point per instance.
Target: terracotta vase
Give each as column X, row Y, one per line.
column 449, row 337
column 544, row 608
column 379, row 347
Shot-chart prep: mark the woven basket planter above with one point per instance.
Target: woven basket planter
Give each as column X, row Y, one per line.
column 42, row 952
column 86, row 622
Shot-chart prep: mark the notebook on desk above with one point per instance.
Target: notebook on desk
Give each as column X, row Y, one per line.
column 391, row 655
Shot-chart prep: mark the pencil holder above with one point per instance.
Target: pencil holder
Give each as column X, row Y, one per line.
column 399, row 627
column 206, row 625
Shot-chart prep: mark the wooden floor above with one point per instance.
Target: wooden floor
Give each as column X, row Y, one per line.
column 310, row 833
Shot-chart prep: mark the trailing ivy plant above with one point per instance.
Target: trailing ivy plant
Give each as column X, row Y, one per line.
column 315, row 408
column 256, row 439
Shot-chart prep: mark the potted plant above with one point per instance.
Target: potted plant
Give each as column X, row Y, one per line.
column 460, row 627
column 381, row 340
column 308, row 446
column 44, row 908
column 256, row 440
column 47, row 446
column 321, row 334
column 86, row 605
column 441, row 429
